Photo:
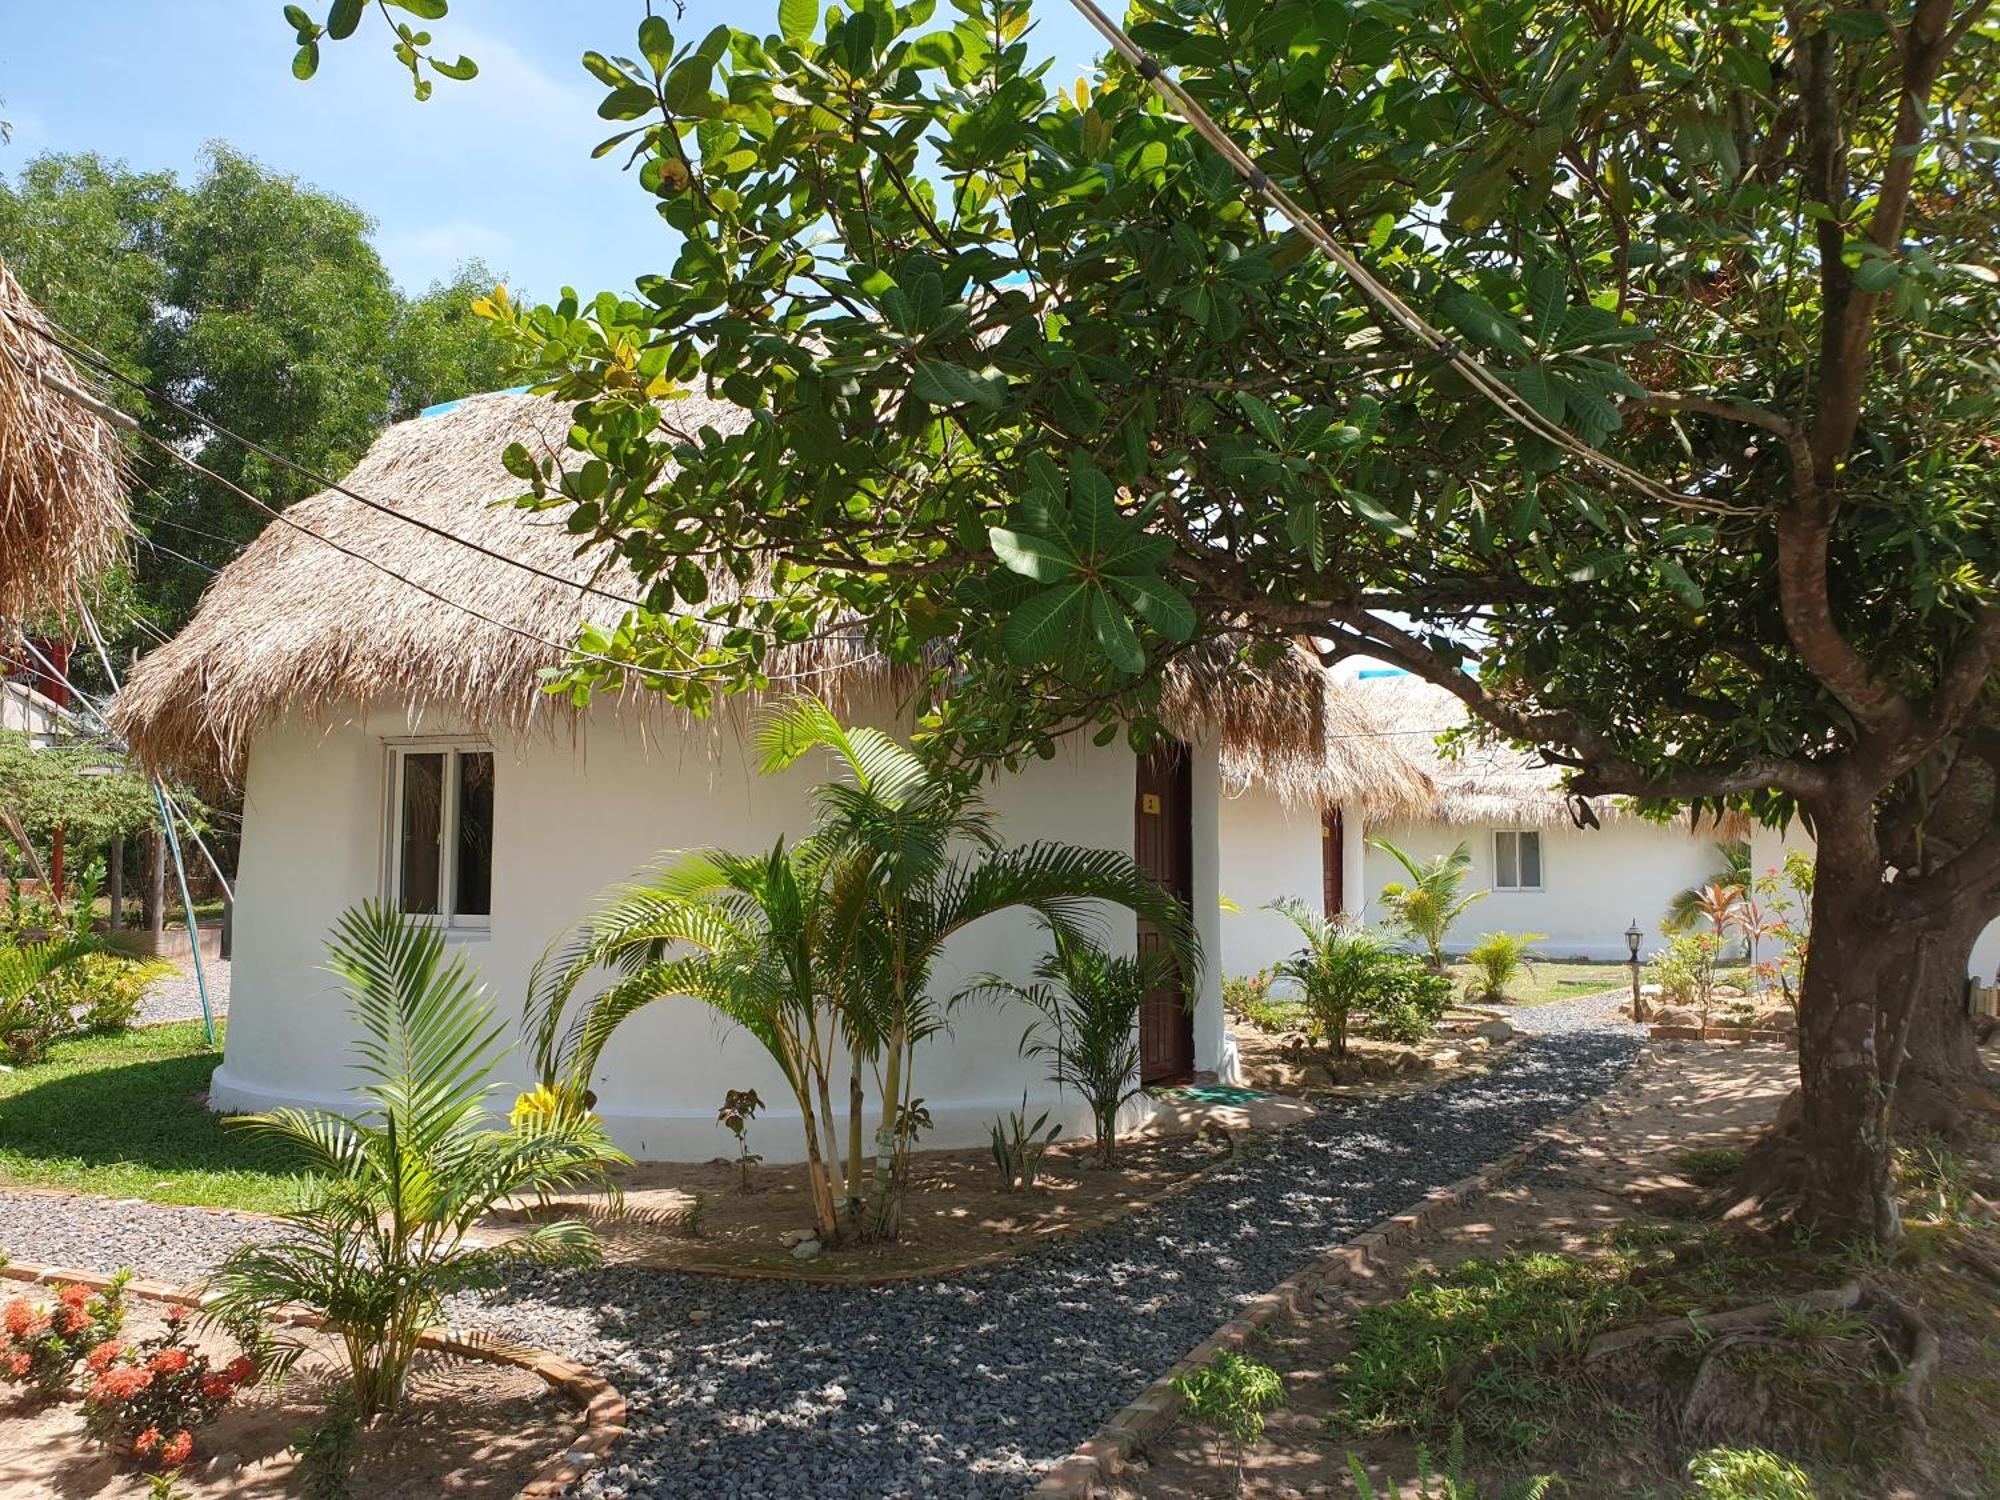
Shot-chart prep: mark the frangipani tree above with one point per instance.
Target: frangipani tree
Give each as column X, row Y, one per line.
column 1673, row 408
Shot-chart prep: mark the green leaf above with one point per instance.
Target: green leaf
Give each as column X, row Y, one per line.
column 464, row 70
column 343, row 18
column 1262, row 418
column 1115, row 634
column 1380, row 231
column 424, row 10
column 1157, row 602
column 1378, row 515
column 1479, row 320
column 687, row 87
column 656, row 42
column 628, row 102
column 605, row 71
column 1675, row 577
column 1539, row 390
column 1876, row 274
column 944, row 384
column 797, row 18
column 1042, row 624
column 305, row 61
column 1040, row 558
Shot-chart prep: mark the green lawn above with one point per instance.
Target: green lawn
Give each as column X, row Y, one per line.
column 123, row 1115
column 1549, row 982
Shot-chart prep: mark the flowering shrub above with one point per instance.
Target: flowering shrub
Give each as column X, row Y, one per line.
column 150, row 1398
column 40, row 1345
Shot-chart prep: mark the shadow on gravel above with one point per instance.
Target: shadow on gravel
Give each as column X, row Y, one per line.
column 970, row 1385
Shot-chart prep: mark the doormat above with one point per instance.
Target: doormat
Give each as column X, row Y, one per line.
column 1210, row 1093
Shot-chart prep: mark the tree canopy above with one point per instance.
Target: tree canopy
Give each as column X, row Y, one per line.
column 258, row 302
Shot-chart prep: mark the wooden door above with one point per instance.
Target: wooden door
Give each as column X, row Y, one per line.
column 1163, row 845
column 1332, row 866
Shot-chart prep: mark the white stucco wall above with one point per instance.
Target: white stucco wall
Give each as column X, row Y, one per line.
column 1595, row 882
column 1269, row 852
column 569, row 819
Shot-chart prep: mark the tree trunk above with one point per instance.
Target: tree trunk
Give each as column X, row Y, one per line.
column 1845, row 1184
column 1944, row 1081
column 155, row 896
column 115, row 878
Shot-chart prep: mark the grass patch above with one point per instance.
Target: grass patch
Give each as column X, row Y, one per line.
column 1549, row 981
column 1490, row 1344
column 1709, row 1166
column 122, row 1114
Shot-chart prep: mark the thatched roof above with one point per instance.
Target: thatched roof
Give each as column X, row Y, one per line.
column 62, row 500
column 294, row 623
column 1470, row 782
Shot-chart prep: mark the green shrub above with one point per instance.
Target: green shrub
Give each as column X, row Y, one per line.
column 1249, row 996
column 1229, row 1396
column 1747, row 1474
column 102, row 991
column 1018, row 1147
column 1685, row 972
column 1409, row 1000
column 1498, row 959
column 32, row 1015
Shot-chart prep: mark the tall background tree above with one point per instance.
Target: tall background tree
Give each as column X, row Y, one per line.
column 1658, row 382
column 258, row 302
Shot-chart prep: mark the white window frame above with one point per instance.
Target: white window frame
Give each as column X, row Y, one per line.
column 398, row 752
column 1541, row 860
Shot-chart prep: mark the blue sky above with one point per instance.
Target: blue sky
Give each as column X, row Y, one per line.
column 498, row 168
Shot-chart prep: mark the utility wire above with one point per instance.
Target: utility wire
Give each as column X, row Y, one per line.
column 1510, row 402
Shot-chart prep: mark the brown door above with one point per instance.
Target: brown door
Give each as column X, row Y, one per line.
column 1332, row 874
column 1163, row 845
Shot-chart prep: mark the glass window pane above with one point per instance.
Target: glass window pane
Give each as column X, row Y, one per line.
column 1503, row 860
column 474, row 849
column 1531, row 861
column 419, row 830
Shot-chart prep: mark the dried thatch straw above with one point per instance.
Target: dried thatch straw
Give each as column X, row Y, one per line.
column 293, row 624
column 1473, row 782
column 62, row 501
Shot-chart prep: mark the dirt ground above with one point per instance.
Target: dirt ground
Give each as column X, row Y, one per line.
column 470, row 1427
column 697, row 1216
column 1628, row 1167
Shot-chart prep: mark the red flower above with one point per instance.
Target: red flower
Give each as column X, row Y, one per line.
column 217, row 1387
column 18, row 1365
column 177, row 1448
column 72, row 1295
column 23, row 1321
column 100, row 1358
column 241, row 1370
column 176, row 1315
column 169, row 1361
column 122, row 1384
column 146, row 1441
column 71, row 1319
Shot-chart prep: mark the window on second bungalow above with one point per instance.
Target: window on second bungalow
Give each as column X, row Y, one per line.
column 440, row 862
column 1517, row 860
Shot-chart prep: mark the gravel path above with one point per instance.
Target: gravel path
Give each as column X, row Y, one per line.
column 1585, row 1013
column 177, row 999
column 964, row 1386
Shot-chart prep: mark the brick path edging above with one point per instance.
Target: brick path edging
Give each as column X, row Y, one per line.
column 1102, row 1456
column 602, row 1405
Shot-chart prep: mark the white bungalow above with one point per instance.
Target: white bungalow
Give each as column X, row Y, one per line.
column 1581, row 887
column 389, row 743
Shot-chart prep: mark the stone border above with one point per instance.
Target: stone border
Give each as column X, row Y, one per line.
column 1783, row 1037
column 1102, row 1456
column 601, row 1403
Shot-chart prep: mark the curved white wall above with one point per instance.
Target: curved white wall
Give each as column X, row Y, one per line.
column 570, row 819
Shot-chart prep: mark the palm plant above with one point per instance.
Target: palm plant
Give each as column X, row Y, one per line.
column 384, row 1230
column 1703, row 901
column 1339, row 971
column 27, row 1018
column 1087, row 1005
column 915, row 847
column 1497, row 959
column 1432, row 901
column 760, row 939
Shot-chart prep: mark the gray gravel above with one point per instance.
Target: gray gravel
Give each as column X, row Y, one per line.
column 1585, row 1013
column 177, row 999
column 961, row 1386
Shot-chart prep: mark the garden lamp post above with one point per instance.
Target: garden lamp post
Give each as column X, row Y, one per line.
column 1633, row 937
